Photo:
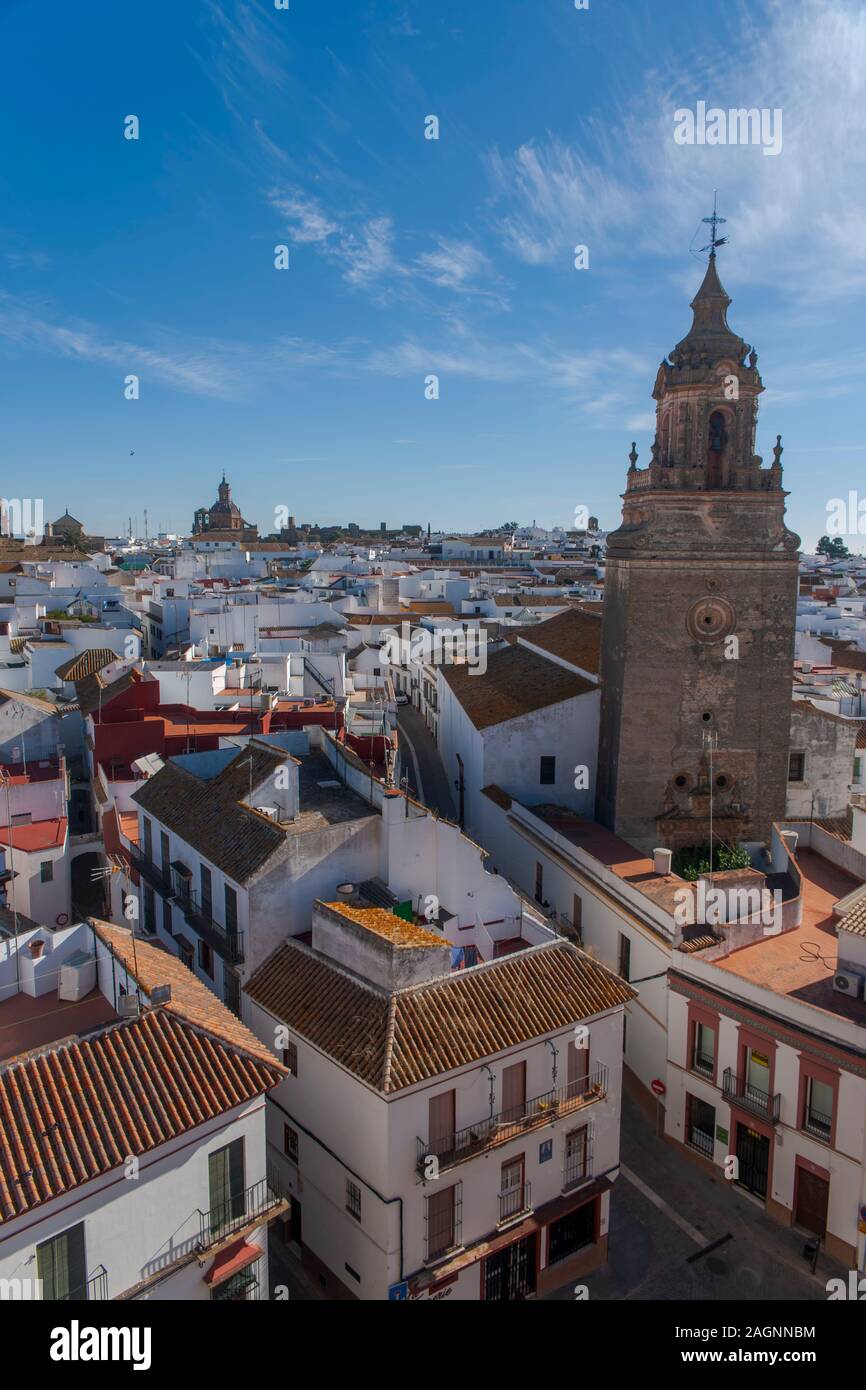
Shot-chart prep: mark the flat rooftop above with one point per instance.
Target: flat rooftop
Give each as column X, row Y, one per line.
column 801, row 963
column 616, row 854
column 27, row 1023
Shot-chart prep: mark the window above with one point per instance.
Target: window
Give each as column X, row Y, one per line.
column 440, row 1123
column 231, row 906
column 818, row 1114
column 185, row 952
column 60, row 1264
column 148, row 838
column 290, row 1142
column 206, row 898
column 624, row 962
column 242, row 1287
column 205, row 958
column 571, row 1233
column 353, row 1199
column 166, row 916
column 700, row 1125
column 226, row 1186
column 46, row 871
column 149, row 910
column 858, row 765
column 576, row 1156
column 443, row 1221
column 539, row 882
column 164, row 853
column 547, row 774
column 577, row 914
column 290, row 1057
column 577, row 1068
column 513, row 1191
column 796, row 767
column 704, row 1050
column 232, row 990
column 514, row 1092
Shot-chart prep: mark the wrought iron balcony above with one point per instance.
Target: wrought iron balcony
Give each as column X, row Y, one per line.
column 498, row 1129
column 152, row 873
column 94, row 1290
column 238, row 1211
column 738, row 1091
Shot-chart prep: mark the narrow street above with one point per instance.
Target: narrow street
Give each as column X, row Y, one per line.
column 422, row 764
column 667, row 1215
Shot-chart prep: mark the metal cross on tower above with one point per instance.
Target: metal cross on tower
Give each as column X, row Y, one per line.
column 715, row 222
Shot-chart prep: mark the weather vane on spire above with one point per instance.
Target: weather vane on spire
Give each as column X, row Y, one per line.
column 715, row 222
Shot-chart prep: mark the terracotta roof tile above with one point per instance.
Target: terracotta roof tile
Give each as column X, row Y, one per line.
column 574, row 636
column 86, row 663
column 72, row 1113
column 190, row 999
column 516, row 682
column 391, row 1041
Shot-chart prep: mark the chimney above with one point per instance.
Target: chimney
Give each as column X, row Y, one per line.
column 662, row 860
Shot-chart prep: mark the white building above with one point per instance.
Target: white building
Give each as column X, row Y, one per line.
column 132, row 1153
column 445, row 1133
column 528, row 723
column 767, row 1053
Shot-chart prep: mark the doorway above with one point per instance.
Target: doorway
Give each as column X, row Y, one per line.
column 811, row 1201
column 753, row 1155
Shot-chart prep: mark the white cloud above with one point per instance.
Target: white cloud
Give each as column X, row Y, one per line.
column 305, row 218
column 800, row 213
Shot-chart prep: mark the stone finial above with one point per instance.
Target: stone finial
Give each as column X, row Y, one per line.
column 778, row 451
column 753, row 358
column 632, row 458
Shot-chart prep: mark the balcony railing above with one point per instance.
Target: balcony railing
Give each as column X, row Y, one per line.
column 238, row 1211
column 95, row 1290
column 152, row 873
column 498, row 1129
column 228, row 944
column 814, row 1122
column 737, row 1090
column 516, row 1201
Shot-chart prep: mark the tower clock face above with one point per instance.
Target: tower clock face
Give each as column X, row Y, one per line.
column 711, row 619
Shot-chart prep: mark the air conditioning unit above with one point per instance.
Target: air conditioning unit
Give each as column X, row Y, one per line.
column 848, row 984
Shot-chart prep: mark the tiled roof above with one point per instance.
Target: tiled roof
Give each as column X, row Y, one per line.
column 574, row 636
column 190, row 999
column 94, row 693
column 32, row 700
column 518, row 600
column 855, row 920
column 72, row 1113
column 209, row 816
column 391, row 1041
column 86, row 663
column 516, row 682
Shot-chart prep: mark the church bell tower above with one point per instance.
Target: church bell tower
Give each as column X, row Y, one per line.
column 700, row 607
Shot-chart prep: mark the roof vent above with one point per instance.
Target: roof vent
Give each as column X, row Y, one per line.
column 662, row 860
column 160, row 994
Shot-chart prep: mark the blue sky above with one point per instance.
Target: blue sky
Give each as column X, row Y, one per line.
column 260, row 127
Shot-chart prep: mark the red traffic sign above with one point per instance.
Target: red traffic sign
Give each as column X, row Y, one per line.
column 657, row 1087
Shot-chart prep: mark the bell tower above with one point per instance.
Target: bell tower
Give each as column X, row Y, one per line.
column 700, row 607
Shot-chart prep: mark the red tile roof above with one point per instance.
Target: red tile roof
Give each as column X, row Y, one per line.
column 73, row 1113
